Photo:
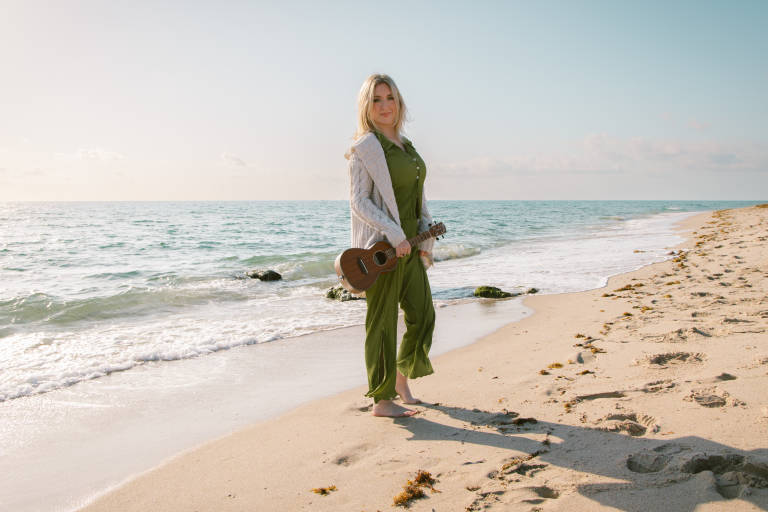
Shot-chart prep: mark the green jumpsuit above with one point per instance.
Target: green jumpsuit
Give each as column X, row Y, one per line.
column 407, row 284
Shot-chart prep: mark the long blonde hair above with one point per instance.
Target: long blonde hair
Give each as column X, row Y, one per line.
column 365, row 123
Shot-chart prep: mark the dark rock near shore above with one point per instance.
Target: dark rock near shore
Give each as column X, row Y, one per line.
column 264, row 275
column 340, row 293
column 492, row 292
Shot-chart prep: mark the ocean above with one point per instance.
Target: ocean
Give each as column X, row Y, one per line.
column 89, row 289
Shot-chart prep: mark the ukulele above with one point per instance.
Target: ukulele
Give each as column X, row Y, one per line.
column 358, row 268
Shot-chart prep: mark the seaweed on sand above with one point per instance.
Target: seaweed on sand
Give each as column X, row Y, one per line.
column 413, row 489
column 324, row 491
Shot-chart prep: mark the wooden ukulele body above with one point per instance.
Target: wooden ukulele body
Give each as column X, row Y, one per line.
column 358, row 269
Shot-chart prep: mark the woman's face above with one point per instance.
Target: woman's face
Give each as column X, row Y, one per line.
column 384, row 106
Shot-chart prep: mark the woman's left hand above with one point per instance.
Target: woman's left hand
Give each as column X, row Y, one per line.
column 426, row 258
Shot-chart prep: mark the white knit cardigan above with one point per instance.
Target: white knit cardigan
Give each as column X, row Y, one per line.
column 372, row 199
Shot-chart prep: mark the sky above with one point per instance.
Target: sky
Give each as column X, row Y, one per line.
column 161, row 100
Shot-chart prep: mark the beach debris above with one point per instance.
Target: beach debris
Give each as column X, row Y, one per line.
column 492, row 292
column 413, row 489
column 555, row 365
column 543, row 372
column 629, row 287
column 341, row 294
column 324, row 491
column 585, row 372
column 264, row 275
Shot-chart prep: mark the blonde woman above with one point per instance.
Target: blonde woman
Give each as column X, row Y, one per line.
column 387, row 202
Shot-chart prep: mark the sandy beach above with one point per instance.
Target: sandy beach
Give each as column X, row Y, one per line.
column 647, row 394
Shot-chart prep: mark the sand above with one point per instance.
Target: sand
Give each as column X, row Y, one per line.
column 647, row 394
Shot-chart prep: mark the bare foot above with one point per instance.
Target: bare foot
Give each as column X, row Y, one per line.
column 402, row 389
column 390, row 409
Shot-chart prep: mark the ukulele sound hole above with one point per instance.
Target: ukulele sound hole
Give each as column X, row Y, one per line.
column 380, row 258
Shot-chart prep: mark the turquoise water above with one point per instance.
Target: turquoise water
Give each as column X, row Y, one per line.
column 91, row 288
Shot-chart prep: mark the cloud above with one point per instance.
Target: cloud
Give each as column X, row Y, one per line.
column 230, row 159
column 98, row 154
column 698, row 125
column 601, row 154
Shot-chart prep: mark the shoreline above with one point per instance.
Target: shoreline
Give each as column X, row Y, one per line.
column 336, row 441
column 119, row 426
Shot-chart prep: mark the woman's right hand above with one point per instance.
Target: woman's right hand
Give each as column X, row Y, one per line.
column 404, row 249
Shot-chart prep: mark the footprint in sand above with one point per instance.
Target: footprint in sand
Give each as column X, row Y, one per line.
column 659, row 386
column 513, row 470
column 647, row 462
column 711, row 397
column 729, row 320
column 734, row 474
column 667, row 358
column 632, row 423
column 679, row 335
column 570, row 404
column 351, row 455
column 720, row 378
column 543, row 492
column 760, row 361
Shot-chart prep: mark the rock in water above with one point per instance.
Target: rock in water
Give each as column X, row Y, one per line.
column 532, row 290
column 340, row 293
column 264, row 275
column 492, row 292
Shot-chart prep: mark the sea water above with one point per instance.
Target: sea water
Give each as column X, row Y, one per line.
column 88, row 289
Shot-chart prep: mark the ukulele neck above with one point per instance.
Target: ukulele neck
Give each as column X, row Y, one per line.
column 413, row 241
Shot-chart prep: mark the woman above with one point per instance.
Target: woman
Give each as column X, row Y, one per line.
column 387, row 202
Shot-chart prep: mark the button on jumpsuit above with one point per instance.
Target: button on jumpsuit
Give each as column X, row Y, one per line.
column 406, row 284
